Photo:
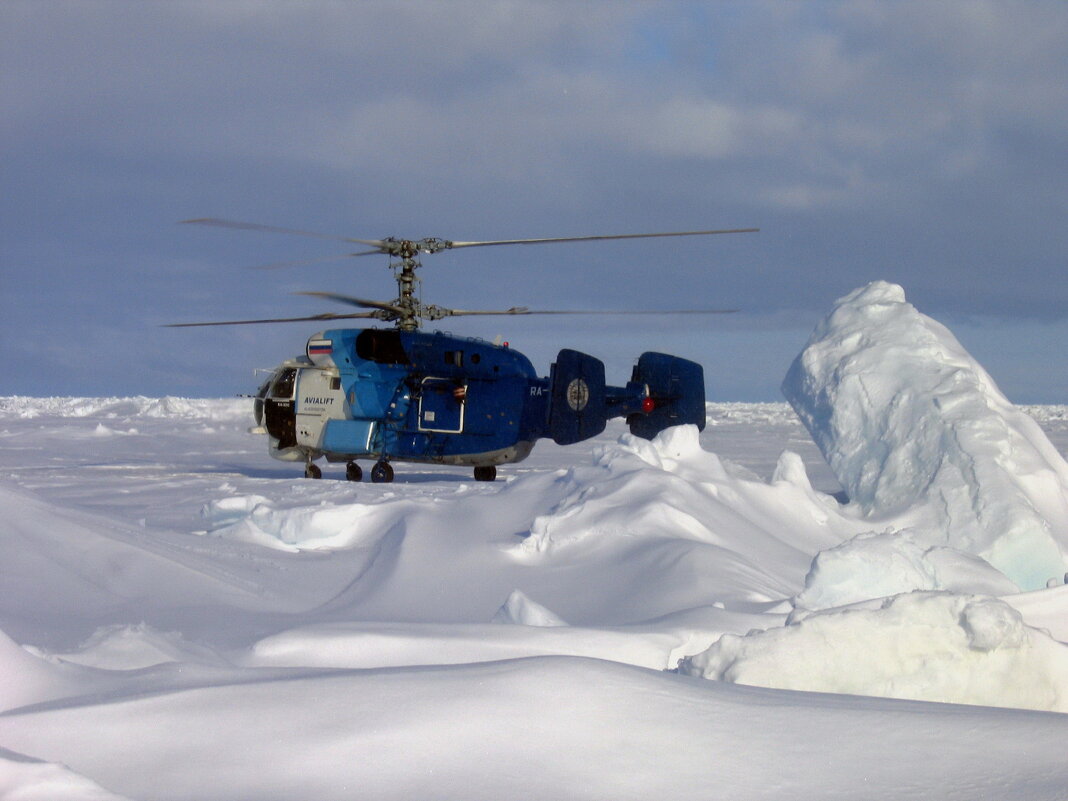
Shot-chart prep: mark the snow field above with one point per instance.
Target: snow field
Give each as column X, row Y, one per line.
column 183, row 618
column 542, row 728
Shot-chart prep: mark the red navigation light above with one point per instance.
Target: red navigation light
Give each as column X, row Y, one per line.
column 648, row 404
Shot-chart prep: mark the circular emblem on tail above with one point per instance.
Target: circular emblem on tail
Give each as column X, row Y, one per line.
column 578, row 394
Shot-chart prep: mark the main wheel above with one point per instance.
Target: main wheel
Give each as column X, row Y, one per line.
column 381, row 473
column 353, row 472
column 312, row 471
column 486, row 473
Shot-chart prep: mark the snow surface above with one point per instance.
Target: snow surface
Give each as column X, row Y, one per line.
column 184, row 618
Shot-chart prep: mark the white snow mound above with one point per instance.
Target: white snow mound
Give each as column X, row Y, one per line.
column 910, row 423
column 723, row 531
column 27, row 677
column 921, row 646
column 255, row 519
column 522, row 611
column 671, row 487
column 24, row 778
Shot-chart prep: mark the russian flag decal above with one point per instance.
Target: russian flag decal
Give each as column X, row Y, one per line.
column 320, row 347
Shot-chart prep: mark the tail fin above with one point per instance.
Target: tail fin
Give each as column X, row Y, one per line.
column 677, row 388
column 577, row 401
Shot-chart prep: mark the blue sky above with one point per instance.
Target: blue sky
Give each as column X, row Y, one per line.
column 920, row 143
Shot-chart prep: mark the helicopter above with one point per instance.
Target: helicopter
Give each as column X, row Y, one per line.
column 401, row 394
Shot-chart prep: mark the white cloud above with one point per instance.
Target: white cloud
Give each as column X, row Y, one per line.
column 919, row 139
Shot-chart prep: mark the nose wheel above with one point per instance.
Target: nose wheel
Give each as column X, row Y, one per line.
column 382, row 473
column 486, row 473
column 353, row 472
column 312, row 471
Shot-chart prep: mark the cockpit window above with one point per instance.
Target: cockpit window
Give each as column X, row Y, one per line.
column 383, row 347
column 282, row 388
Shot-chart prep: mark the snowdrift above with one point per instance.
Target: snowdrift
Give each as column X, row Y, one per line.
column 924, row 646
column 24, row 778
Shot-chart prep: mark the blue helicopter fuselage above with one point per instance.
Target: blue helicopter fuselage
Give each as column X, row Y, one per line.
column 408, row 396
column 395, row 395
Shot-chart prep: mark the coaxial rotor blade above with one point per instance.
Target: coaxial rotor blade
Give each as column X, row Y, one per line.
column 351, row 301
column 631, row 311
column 311, row 318
column 523, row 310
column 246, row 226
column 438, row 312
column 598, row 238
column 393, row 246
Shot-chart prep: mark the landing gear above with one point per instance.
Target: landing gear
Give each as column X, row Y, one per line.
column 353, row 472
column 312, row 471
column 381, row 473
column 486, row 473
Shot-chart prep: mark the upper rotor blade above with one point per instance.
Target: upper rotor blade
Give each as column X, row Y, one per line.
column 397, row 246
column 599, row 238
column 246, row 226
column 351, row 301
column 312, row 318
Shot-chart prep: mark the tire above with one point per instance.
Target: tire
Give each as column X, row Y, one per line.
column 485, row 473
column 382, row 473
column 312, row 471
column 353, row 472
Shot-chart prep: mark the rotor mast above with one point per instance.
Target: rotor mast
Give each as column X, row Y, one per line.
column 410, row 309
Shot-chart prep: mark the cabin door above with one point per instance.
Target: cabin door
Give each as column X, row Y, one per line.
column 441, row 405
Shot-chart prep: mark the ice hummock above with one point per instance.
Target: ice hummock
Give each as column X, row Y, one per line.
column 966, row 499
column 911, row 424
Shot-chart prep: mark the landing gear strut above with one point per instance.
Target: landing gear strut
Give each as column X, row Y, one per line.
column 381, row 473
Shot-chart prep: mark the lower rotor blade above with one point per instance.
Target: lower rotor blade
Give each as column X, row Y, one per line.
column 634, row 311
column 351, row 301
column 469, row 312
column 312, row 318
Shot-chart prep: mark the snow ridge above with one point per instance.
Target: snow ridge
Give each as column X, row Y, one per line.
column 221, row 409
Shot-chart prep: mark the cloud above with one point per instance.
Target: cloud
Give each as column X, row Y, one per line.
column 919, row 143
